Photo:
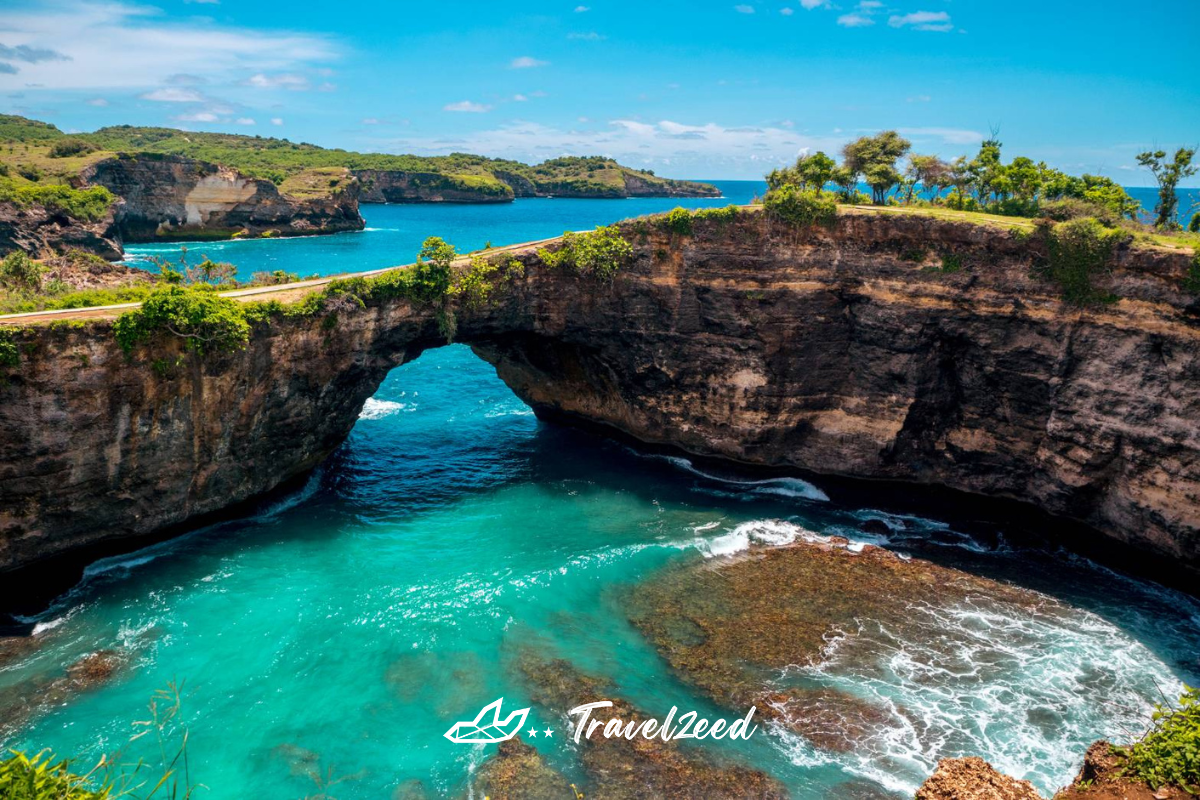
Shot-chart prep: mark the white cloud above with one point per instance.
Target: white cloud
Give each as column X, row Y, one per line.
column 590, row 36
column 526, row 62
column 811, row 4
column 920, row 98
column 854, row 20
column 276, row 120
column 199, row 116
column 286, row 80
column 744, row 9
column 581, row 9
column 113, row 45
column 370, row 121
column 870, row 5
column 467, row 106
column 519, row 98
column 98, row 102
column 947, row 135
column 172, row 95
column 923, row 21
column 686, row 150
column 787, row 12
column 245, row 121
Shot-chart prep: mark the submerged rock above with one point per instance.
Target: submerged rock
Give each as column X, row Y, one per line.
column 518, row 772
column 973, row 779
column 625, row 769
column 736, row 627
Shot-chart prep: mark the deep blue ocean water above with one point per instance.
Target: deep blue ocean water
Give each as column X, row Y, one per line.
column 346, row 626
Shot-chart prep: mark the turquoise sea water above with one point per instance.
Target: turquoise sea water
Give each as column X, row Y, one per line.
column 349, row 624
column 394, row 232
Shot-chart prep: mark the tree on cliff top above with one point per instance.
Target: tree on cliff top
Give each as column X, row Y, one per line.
column 875, row 157
column 1168, row 174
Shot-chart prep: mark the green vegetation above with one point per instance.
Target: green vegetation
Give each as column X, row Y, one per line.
column 89, row 205
column 1169, row 753
column 983, row 183
column 10, row 353
column 197, row 315
column 41, row 778
column 20, row 273
column 1078, row 251
column 1191, row 283
column 803, row 207
column 679, row 221
column 1168, row 173
column 65, row 148
column 875, row 157
column 600, row 253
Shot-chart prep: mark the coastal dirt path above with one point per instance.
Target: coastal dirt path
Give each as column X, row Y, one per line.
column 284, row 293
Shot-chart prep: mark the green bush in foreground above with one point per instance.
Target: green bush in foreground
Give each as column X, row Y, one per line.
column 600, row 253
column 39, row 777
column 802, row 207
column 205, row 321
column 1169, row 753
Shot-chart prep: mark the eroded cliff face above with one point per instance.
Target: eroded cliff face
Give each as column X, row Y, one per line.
column 173, row 197
column 843, row 350
column 395, row 186
column 850, row 351
column 45, row 232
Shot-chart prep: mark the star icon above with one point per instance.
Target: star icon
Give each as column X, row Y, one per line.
column 532, row 733
column 547, row 732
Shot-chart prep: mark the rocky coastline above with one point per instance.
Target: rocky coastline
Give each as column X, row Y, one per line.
column 173, row 197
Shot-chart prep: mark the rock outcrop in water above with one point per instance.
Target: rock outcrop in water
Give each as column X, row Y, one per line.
column 173, row 197
column 973, row 778
column 843, row 350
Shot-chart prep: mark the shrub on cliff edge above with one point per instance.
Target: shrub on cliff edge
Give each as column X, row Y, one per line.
column 197, row 315
column 600, row 253
column 1191, row 283
column 1078, row 251
column 1169, row 754
column 793, row 205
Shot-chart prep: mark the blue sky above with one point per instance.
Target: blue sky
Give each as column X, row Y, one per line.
column 699, row 89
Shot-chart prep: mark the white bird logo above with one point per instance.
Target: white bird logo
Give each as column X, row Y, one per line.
column 483, row 729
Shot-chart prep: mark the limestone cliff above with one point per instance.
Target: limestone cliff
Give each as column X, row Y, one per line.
column 845, row 350
column 396, row 186
column 173, row 197
column 399, row 186
column 45, row 232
